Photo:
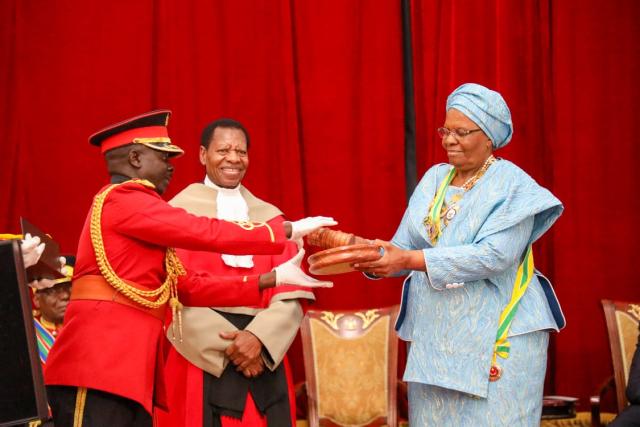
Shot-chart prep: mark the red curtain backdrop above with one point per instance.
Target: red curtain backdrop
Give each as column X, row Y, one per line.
column 319, row 86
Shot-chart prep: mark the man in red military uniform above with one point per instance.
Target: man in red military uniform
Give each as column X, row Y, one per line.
column 230, row 369
column 105, row 368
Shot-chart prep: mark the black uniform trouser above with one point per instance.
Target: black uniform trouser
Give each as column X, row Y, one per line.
column 82, row 407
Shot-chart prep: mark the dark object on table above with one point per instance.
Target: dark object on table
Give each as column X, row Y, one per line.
column 554, row 407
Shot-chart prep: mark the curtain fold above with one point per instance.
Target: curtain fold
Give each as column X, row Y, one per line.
column 317, row 84
column 595, row 65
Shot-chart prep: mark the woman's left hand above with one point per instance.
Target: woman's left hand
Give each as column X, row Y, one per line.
column 393, row 260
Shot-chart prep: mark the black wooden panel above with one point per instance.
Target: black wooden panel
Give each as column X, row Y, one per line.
column 22, row 392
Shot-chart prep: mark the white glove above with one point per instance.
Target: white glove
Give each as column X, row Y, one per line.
column 31, row 250
column 302, row 227
column 289, row 273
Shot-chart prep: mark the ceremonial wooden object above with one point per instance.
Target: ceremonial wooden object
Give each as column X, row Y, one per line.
column 48, row 266
column 341, row 251
column 22, row 391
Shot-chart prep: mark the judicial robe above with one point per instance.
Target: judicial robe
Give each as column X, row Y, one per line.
column 274, row 320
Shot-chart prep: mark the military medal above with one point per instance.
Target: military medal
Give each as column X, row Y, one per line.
column 495, row 373
column 451, row 212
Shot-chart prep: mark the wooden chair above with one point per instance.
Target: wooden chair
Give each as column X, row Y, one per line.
column 350, row 361
column 622, row 327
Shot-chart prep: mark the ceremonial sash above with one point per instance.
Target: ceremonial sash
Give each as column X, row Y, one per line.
column 432, row 221
column 45, row 340
column 502, row 346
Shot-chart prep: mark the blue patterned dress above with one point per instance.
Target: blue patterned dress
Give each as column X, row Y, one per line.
column 450, row 313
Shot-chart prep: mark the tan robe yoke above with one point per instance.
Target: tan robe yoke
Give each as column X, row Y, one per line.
column 275, row 326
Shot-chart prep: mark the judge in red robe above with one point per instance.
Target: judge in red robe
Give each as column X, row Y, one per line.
column 230, row 369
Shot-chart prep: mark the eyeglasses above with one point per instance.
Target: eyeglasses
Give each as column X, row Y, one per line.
column 457, row 133
column 59, row 289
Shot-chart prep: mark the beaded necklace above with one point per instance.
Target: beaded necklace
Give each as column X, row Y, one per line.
column 440, row 212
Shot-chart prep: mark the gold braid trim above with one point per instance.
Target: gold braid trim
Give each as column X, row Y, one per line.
column 249, row 225
column 78, row 413
column 168, row 291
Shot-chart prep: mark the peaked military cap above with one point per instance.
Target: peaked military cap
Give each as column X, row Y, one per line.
column 148, row 129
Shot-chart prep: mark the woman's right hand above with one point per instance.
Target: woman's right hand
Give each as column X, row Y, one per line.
column 392, row 261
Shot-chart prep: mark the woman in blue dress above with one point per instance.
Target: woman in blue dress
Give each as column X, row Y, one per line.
column 475, row 311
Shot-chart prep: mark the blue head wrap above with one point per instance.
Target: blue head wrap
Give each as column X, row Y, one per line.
column 486, row 108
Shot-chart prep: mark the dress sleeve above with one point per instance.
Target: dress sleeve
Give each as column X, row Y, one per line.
column 140, row 213
column 403, row 240
column 488, row 257
column 404, row 237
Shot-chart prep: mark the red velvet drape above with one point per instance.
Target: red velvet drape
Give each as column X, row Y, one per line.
column 319, row 86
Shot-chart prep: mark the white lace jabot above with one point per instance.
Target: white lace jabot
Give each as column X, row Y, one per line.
column 232, row 207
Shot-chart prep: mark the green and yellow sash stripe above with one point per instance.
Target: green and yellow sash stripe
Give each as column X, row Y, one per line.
column 432, row 221
column 523, row 278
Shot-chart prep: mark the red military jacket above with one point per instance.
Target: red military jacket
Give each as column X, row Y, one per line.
column 116, row 348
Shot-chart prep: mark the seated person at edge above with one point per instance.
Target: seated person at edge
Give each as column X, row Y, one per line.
column 231, row 364
column 106, row 366
column 50, row 303
column 465, row 245
column 630, row 417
